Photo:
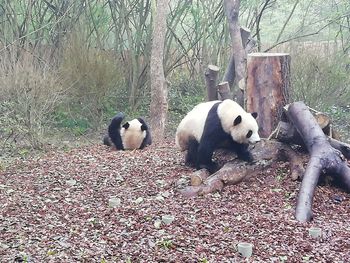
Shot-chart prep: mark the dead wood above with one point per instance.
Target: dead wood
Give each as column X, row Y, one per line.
column 211, row 75
column 266, row 152
column 247, row 43
column 224, row 91
column 239, row 55
column 323, row 158
column 267, row 91
column 199, row 176
column 341, row 146
column 286, row 133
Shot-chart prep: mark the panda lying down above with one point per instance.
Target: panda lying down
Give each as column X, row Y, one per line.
column 132, row 135
column 211, row 124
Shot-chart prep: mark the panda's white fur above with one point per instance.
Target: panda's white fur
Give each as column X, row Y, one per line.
column 209, row 124
column 192, row 125
column 228, row 110
column 133, row 136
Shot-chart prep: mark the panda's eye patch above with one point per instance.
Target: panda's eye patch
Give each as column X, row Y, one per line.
column 249, row 133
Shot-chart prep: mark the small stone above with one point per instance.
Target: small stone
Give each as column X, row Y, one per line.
column 157, row 223
column 71, row 182
column 159, row 198
column 114, row 202
column 139, row 200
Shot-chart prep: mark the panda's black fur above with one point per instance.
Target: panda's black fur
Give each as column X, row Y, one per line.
column 200, row 153
column 116, row 133
column 201, row 141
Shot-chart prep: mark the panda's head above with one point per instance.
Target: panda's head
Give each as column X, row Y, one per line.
column 241, row 125
column 245, row 128
column 133, row 133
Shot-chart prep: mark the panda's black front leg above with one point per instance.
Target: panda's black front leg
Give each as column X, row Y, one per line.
column 243, row 152
column 204, row 157
column 192, row 151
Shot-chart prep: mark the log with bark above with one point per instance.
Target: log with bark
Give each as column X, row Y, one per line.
column 239, row 55
column 267, row 91
column 285, row 132
column 224, row 91
column 211, row 76
column 266, row 153
column 323, row 158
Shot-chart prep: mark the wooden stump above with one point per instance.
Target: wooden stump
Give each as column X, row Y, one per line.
column 267, row 88
column 211, row 76
column 224, row 91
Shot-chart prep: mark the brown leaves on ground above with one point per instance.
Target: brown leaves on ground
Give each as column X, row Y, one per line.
column 55, row 209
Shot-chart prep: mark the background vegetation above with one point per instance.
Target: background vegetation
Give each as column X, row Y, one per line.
column 67, row 67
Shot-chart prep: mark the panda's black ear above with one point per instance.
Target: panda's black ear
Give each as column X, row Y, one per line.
column 126, row 125
column 255, row 115
column 143, row 127
column 238, row 120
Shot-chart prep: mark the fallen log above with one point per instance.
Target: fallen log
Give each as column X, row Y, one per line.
column 265, row 152
column 286, row 133
column 323, row 158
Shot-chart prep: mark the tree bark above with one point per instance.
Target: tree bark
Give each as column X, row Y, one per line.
column 239, row 55
column 286, row 133
column 324, row 158
column 268, row 85
column 224, row 91
column 230, row 74
column 211, row 76
column 234, row 172
column 159, row 89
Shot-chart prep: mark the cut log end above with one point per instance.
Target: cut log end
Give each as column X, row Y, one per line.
column 263, row 55
column 213, row 68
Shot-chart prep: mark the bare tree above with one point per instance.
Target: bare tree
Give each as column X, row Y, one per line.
column 159, row 89
column 239, row 54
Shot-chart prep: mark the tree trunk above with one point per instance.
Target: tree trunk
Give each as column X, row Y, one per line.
column 268, row 85
column 159, row 91
column 324, row 158
column 239, row 55
column 211, row 76
column 230, row 74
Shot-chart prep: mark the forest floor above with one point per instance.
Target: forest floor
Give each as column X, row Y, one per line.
column 55, row 208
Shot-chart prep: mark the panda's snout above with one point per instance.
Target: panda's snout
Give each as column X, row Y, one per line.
column 254, row 139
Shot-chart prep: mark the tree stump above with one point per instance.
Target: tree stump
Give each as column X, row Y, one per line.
column 211, row 75
column 267, row 88
column 224, row 91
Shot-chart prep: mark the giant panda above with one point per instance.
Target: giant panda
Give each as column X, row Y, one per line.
column 134, row 134
column 211, row 124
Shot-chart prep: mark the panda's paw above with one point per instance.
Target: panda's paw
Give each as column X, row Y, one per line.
column 212, row 167
column 246, row 156
column 190, row 163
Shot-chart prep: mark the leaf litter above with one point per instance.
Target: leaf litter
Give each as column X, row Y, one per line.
column 93, row 204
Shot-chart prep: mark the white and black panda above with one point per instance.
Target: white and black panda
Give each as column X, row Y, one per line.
column 211, row 124
column 134, row 134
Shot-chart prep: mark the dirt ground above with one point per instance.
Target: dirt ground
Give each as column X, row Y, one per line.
column 55, row 208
